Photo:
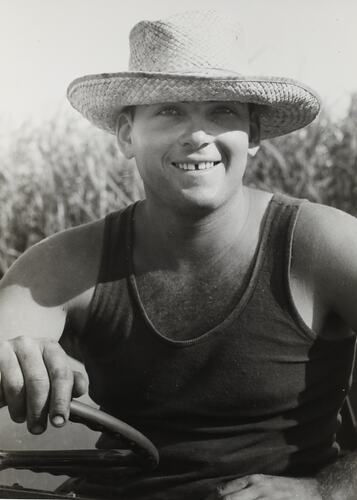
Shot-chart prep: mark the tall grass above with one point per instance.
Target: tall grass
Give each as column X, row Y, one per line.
column 318, row 163
column 65, row 173
column 52, row 177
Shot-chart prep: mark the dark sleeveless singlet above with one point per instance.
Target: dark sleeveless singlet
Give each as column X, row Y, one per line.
column 259, row 393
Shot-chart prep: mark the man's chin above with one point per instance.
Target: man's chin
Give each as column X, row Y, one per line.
column 199, row 205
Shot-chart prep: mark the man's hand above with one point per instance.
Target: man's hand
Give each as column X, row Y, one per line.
column 37, row 381
column 263, row 487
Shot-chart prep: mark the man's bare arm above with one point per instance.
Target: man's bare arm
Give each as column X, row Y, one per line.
column 37, row 378
column 325, row 253
column 334, row 234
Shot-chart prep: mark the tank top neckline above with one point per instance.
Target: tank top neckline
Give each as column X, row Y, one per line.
column 248, row 285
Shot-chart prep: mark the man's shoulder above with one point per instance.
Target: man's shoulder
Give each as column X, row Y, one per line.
column 324, row 255
column 325, row 227
column 61, row 266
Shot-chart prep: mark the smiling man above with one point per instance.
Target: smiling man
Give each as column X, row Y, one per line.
column 215, row 318
column 190, row 153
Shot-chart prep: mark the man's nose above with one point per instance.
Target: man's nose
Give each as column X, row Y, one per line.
column 195, row 138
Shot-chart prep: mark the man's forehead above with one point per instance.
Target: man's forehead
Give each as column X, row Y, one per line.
column 199, row 104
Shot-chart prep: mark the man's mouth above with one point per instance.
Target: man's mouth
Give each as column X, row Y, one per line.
column 202, row 165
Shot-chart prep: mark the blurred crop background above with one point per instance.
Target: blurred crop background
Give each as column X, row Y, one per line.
column 56, row 173
column 64, row 172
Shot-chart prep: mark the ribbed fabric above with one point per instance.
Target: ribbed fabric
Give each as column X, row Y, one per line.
column 259, row 393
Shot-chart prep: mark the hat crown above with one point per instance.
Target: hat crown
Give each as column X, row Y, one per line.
column 188, row 42
column 195, row 56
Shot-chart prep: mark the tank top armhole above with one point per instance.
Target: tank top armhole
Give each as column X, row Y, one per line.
column 305, row 330
column 96, row 294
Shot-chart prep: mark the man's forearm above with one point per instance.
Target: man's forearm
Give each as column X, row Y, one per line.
column 339, row 480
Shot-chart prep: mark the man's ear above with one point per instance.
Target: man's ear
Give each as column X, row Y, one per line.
column 254, row 132
column 123, row 133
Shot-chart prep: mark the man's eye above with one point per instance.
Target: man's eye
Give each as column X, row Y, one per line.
column 224, row 110
column 169, row 111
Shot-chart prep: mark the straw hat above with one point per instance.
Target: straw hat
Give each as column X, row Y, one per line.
column 193, row 56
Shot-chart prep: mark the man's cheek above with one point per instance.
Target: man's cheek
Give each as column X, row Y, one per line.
column 233, row 146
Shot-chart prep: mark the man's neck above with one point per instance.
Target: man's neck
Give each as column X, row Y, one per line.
column 174, row 240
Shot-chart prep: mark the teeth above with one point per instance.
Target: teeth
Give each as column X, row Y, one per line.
column 196, row 166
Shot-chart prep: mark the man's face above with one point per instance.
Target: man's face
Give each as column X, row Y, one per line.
column 191, row 155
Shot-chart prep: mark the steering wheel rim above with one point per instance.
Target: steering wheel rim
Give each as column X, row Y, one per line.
column 140, row 454
column 98, row 420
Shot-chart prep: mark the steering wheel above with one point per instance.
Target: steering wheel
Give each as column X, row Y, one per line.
column 139, row 454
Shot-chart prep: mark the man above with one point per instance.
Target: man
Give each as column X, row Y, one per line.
column 213, row 317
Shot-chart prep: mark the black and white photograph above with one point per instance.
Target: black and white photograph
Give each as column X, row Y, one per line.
column 178, row 249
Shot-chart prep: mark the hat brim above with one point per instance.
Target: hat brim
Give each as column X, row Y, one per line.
column 285, row 105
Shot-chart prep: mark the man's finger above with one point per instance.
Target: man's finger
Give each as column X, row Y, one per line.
column 250, row 493
column 61, row 378
column 80, row 384
column 233, row 486
column 13, row 386
column 37, row 383
column 2, row 396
